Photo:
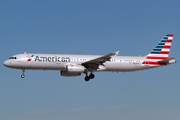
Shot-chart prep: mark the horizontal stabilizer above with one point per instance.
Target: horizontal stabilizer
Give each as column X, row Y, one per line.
column 167, row 60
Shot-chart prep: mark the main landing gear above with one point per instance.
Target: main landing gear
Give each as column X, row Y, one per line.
column 91, row 76
column 22, row 76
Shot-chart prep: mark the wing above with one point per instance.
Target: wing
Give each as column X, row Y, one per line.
column 94, row 64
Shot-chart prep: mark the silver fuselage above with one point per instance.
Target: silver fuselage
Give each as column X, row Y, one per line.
column 60, row 61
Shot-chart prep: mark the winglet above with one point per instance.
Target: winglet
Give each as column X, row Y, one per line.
column 117, row 53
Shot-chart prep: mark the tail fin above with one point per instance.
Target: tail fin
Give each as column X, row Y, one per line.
column 160, row 52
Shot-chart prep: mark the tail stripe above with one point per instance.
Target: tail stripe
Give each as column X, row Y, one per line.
column 163, row 40
column 161, row 52
column 159, row 47
column 161, row 43
column 169, row 41
column 168, row 47
column 161, row 58
column 155, row 50
column 168, row 44
column 164, row 52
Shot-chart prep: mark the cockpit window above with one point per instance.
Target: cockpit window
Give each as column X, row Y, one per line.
column 12, row 58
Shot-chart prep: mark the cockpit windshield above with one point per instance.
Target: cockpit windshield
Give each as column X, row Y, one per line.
column 12, row 58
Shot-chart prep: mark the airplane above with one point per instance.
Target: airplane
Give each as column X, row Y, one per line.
column 75, row 65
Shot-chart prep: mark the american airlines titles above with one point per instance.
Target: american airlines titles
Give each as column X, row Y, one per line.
column 52, row 59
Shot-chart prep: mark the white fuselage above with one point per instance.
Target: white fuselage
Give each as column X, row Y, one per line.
column 74, row 65
column 60, row 61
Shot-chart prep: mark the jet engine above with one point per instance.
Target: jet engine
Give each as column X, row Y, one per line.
column 69, row 74
column 73, row 70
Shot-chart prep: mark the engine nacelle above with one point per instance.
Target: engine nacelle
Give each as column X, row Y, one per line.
column 75, row 68
column 67, row 74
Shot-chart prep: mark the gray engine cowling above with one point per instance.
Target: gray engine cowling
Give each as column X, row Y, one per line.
column 67, row 74
column 73, row 70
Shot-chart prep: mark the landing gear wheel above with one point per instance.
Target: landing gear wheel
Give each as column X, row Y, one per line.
column 86, row 78
column 22, row 76
column 91, row 76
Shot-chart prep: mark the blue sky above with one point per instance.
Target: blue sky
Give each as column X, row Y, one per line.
column 89, row 27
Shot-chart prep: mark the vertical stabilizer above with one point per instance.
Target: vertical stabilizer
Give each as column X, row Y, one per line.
column 160, row 52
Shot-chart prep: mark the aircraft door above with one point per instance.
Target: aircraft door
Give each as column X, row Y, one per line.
column 25, row 58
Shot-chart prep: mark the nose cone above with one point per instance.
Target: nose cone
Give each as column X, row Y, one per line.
column 6, row 63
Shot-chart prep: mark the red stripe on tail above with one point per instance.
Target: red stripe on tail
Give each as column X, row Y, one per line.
column 164, row 52
column 153, row 63
column 171, row 35
column 167, row 47
column 161, row 58
column 169, row 41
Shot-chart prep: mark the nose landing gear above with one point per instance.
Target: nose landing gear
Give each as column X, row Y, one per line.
column 91, row 76
column 22, row 76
